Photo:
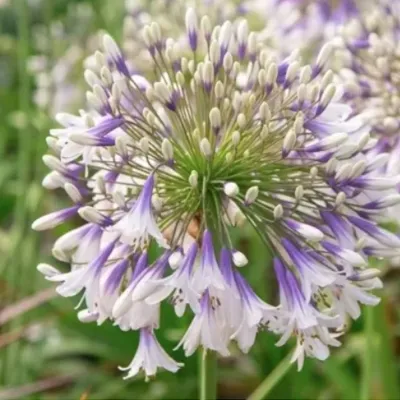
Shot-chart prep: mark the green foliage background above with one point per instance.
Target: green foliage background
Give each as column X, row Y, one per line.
column 46, row 353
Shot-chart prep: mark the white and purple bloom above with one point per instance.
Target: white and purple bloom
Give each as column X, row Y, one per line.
column 292, row 25
column 84, row 276
column 180, row 283
column 207, row 328
column 368, row 69
column 150, row 356
column 301, row 318
column 54, row 219
column 139, row 223
column 208, row 274
column 221, row 136
column 349, row 293
column 131, row 311
column 254, row 312
column 110, row 287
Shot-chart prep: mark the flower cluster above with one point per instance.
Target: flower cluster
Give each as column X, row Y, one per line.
column 224, row 134
column 283, row 26
column 168, row 15
column 369, row 59
column 302, row 25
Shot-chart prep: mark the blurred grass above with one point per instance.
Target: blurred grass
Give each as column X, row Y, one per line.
column 46, row 353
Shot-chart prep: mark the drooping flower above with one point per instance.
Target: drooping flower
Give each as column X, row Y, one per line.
column 219, row 136
column 207, row 328
column 301, row 318
column 150, row 356
column 180, row 283
column 130, row 310
column 139, row 223
column 208, row 274
column 254, row 313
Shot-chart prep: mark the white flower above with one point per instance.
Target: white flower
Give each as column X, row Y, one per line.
column 347, row 295
column 314, row 342
column 136, row 226
column 179, row 283
column 206, row 329
column 150, row 356
column 208, row 274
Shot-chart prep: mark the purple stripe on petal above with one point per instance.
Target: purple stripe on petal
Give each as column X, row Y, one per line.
column 366, row 226
column 99, row 262
column 294, row 294
column 140, row 266
column 105, row 126
column 110, row 177
column 280, row 276
column 338, row 225
column 242, row 51
column 316, row 70
column 295, row 254
column 325, row 9
column 121, row 66
column 156, row 270
column 192, row 35
column 103, row 141
column 288, row 285
column 67, row 213
column 54, row 219
column 205, row 301
column 282, row 69
column 144, row 199
column 188, row 261
column 246, row 292
column 359, row 44
column 114, row 280
column 226, row 265
column 208, row 249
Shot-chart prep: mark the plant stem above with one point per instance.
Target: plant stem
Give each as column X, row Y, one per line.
column 208, row 375
column 272, row 379
column 368, row 356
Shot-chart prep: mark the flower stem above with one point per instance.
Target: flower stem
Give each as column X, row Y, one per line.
column 272, row 379
column 368, row 356
column 208, row 375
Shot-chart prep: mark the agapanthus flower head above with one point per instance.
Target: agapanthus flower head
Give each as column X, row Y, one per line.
column 303, row 25
column 169, row 16
column 223, row 134
column 367, row 62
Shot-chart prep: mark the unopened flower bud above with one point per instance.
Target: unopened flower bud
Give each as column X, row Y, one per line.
column 231, row 189
column 167, row 150
column 194, row 179
column 251, row 195
column 144, row 144
column 239, row 259
column 215, row 119
column 235, row 138
column 278, row 212
column 205, row 147
column 175, row 259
